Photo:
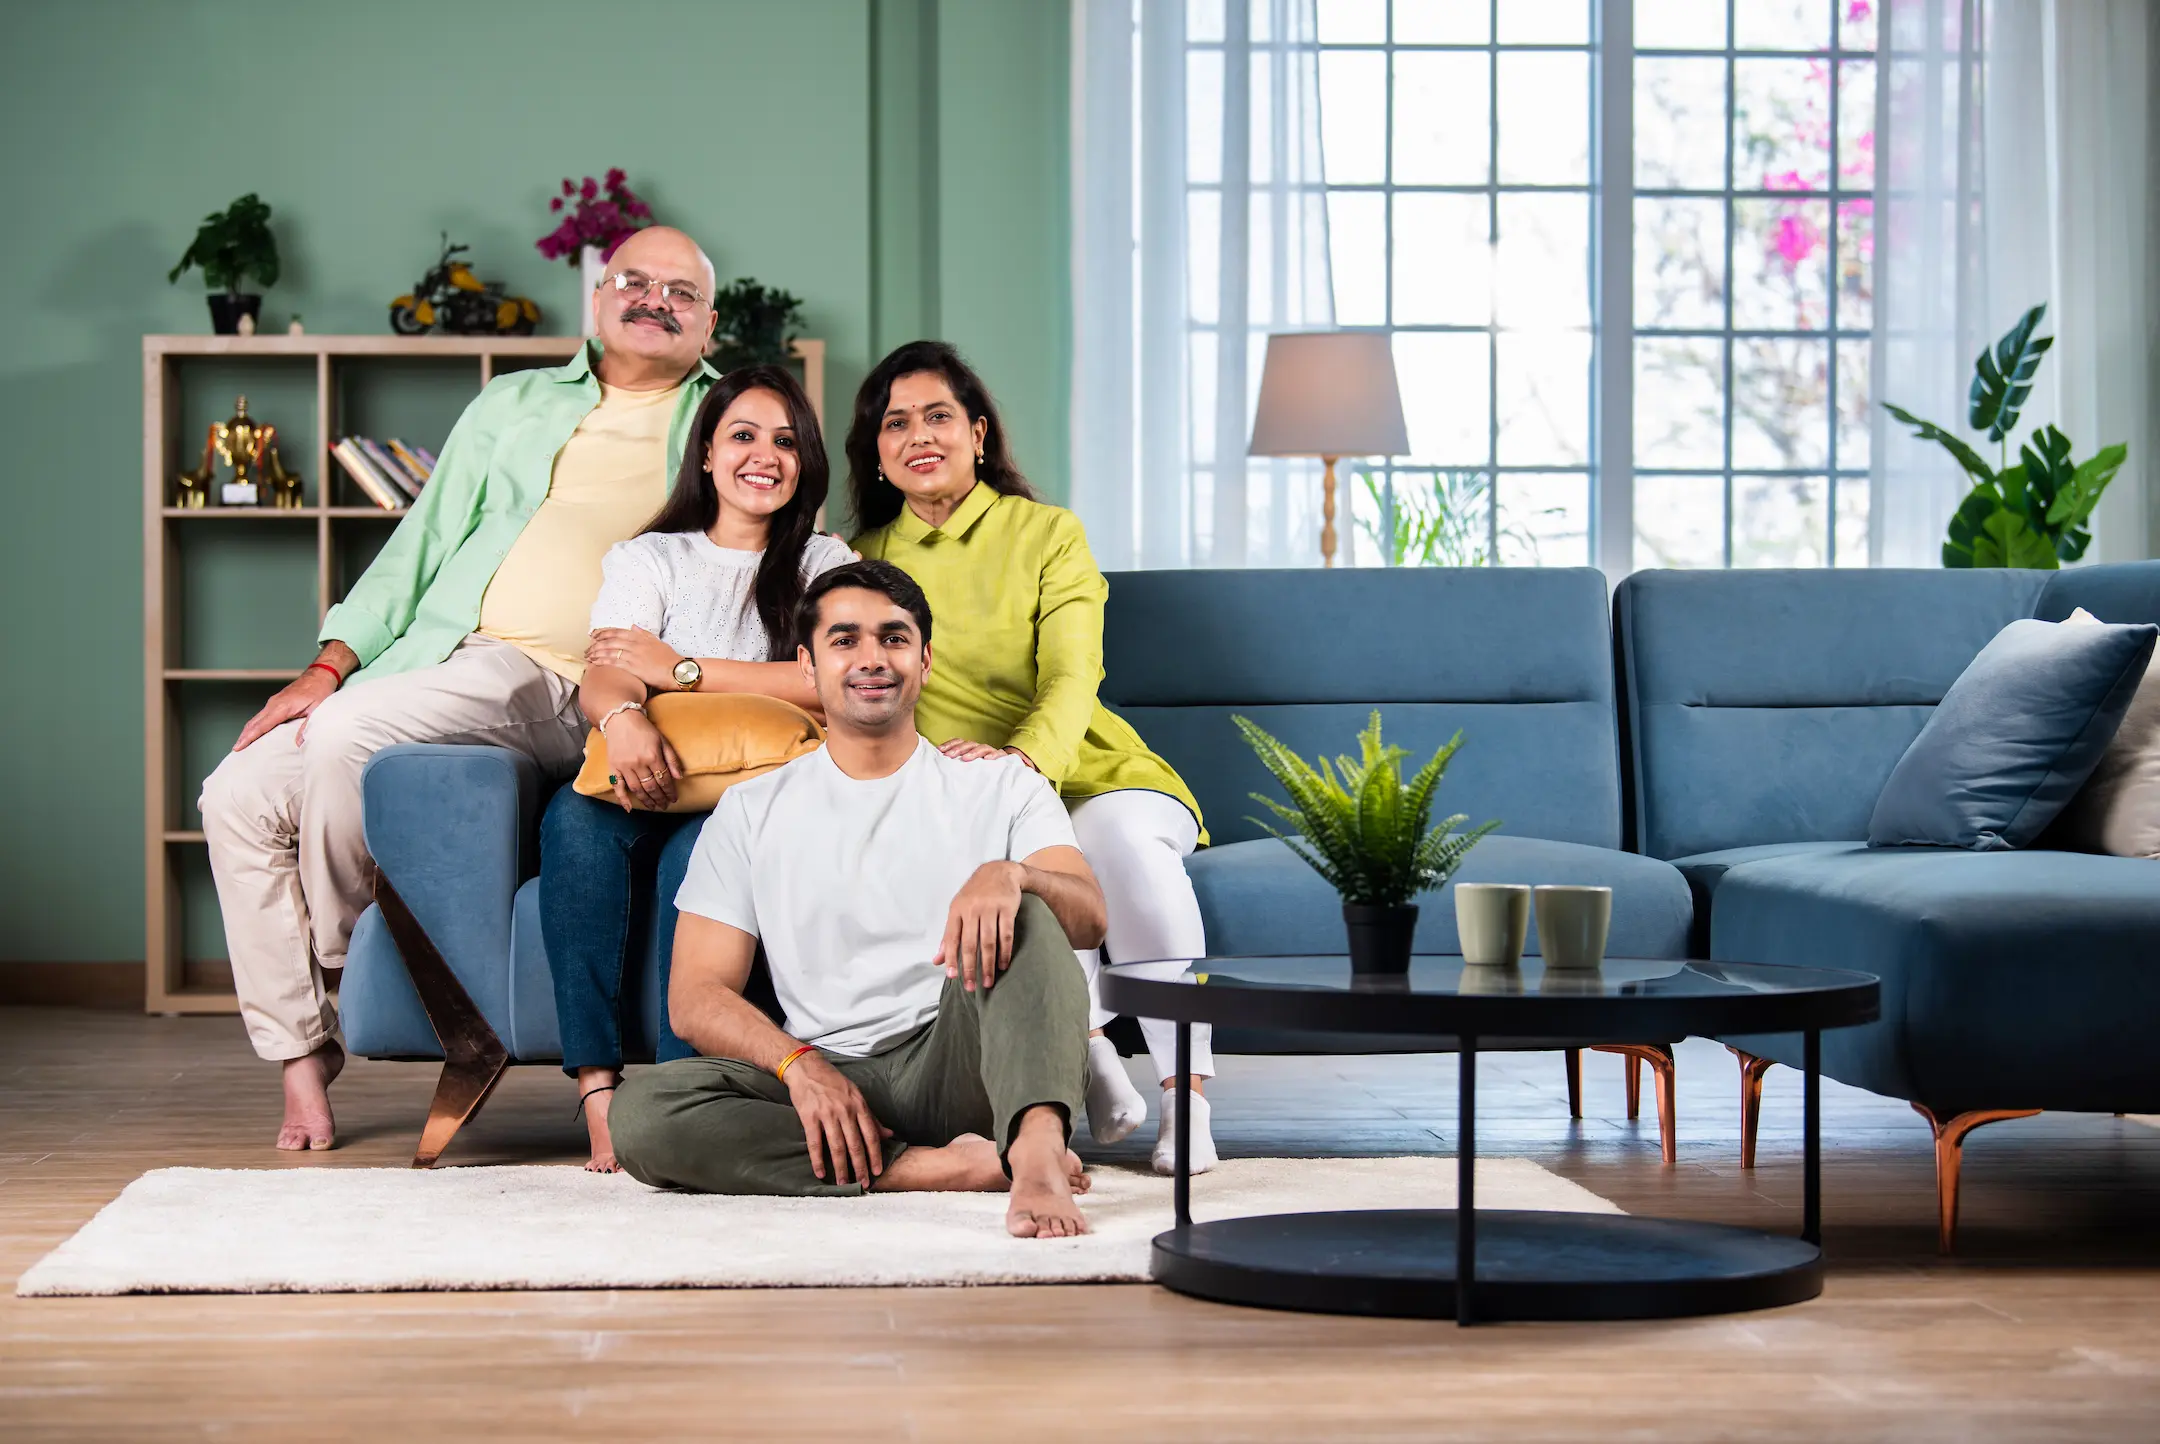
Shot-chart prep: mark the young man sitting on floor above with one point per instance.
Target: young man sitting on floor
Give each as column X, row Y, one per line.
column 919, row 917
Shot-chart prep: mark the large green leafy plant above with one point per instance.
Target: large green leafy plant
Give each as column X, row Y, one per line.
column 232, row 245
column 2033, row 514
column 1358, row 824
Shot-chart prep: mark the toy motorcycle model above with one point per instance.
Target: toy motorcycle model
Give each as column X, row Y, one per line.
column 450, row 298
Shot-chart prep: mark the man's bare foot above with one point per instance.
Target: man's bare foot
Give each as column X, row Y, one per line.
column 968, row 1164
column 308, row 1126
column 1043, row 1205
column 596, row 1090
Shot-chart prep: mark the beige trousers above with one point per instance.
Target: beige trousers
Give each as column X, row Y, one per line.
column 283, row 819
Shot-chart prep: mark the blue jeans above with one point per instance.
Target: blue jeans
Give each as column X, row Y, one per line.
column 602, row 876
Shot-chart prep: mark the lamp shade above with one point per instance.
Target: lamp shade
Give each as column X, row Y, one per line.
column 1329, row 393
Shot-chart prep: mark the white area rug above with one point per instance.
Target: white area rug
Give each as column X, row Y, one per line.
column 332, row 1230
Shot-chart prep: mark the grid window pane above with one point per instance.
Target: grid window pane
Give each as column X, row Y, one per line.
column 1679, row 521
column 1443, row 259
column 1204, row 21
column 1203, row 117
column 1351, row 22
column 1856, row 25
column 1545, row 22
column 1353, row 115
column 1443, row 118
column 1357, row 256
column 1679, row 24
column 1781, row 24
column 1853, row 498
column 1543, row 397
column 1203, row 255
column 1780, row 521
column 1544, row 519
column 1856, row 265
column 1780, row 402
column 1781, row 265
column 1447, row 396
column 1443, row 22
column 1856, row 125
column 1679, row 106
column 1541, row 263
column 1679, row 403
column 1679, row 263
column 1855, row 405
column 1781, row 125
column 1545, row 117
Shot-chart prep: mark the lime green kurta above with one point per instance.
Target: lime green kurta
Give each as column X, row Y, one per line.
column 1016, row 607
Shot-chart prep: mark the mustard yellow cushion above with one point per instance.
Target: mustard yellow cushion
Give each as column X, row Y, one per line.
column 722, row 738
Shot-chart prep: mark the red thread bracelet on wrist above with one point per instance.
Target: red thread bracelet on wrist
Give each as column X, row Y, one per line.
column 336, row 675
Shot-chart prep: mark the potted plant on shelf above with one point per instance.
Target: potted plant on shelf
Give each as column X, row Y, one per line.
column 755, row 325
column 230, row 247
column 598, row 216
column 1365, row 830
column 2032, row 514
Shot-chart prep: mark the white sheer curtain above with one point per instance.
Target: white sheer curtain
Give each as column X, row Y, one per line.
column 1200, row 227
column 2018, row 162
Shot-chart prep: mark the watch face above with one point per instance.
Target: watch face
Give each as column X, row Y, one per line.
column 687, row 673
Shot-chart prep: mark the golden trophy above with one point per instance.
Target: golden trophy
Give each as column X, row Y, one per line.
column 240, row 444
column 191, row 489
column 284, row 485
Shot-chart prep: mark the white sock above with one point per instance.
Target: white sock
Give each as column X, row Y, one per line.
column 1202, row 1142
column 1115, row 1108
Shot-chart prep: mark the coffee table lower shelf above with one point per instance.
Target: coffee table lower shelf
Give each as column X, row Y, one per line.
column 1400, row 1263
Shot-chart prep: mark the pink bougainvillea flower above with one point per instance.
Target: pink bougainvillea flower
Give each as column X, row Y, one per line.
column 1795, row 239
column 614, row 177
column 1859, row 10
column 568, row 187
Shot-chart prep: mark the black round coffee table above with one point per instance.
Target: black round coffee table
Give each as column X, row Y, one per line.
column 1497, row 1265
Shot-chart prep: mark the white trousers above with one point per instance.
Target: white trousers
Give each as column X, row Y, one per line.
column 283, row 819
column 1137, row 842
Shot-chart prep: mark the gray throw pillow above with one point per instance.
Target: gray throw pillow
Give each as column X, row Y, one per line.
column 2014, row 738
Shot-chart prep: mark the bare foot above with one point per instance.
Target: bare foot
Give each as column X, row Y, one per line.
column 968, row 1164
column 596, row 1090
column 308, row 1126
column 1043, row 1203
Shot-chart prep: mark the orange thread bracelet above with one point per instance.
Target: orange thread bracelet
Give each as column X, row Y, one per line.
column 780, row 1073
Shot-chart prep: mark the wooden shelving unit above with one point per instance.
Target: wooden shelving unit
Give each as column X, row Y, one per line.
column 168, row 793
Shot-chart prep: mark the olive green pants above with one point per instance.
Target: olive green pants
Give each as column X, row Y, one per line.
column 718, row 1125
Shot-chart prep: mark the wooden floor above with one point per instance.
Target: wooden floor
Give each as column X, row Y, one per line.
column 2048, row 1327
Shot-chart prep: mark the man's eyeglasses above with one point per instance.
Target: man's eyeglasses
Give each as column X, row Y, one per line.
column 635, row 286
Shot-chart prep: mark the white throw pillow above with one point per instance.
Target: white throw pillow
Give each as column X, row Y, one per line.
column 2118, row 809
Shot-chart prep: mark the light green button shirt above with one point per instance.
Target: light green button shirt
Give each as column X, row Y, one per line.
column 421, row 595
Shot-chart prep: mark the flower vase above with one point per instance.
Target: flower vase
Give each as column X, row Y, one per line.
column 591, row 267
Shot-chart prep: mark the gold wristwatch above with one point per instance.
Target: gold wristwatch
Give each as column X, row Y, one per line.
column 688, row 674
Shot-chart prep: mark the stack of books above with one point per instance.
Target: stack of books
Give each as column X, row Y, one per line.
column 390, row 472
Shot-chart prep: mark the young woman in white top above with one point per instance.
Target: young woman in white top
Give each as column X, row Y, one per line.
column 702, row 600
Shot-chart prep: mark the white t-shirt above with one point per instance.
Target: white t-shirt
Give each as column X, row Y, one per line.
column 848, row 882
column 698, row 598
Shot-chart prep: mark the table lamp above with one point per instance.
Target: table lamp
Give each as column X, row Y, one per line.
column 1329, row 394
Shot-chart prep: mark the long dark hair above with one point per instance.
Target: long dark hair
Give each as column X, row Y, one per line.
column 876, row 500
column 694, row 504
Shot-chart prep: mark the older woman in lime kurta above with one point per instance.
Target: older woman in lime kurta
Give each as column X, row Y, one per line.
column 1018, row 604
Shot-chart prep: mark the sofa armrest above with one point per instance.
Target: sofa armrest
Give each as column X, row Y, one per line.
column 455, row 829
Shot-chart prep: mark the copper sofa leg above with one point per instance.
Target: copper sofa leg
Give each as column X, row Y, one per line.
column 1660, row 1058
column 1574, row 1082
column 1752, row 1069
column 473, row 1057
column 1949, row 1153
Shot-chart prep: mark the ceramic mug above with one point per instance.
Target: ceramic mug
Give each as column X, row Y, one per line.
column 1571, row 924
column 1491, row 919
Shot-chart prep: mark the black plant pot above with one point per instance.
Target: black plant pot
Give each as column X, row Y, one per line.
column 226, row 311
column 1380, row 938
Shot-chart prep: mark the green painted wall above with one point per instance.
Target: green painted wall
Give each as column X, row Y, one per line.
column 898, row 163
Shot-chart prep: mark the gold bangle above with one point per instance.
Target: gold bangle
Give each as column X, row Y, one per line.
column 780, row 1073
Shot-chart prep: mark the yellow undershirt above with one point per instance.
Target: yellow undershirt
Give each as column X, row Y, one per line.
column 609, row 479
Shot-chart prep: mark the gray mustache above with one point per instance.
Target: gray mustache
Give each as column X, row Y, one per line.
column 647, row 313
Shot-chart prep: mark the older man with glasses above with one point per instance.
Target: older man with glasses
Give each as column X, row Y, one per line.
column 470, row 626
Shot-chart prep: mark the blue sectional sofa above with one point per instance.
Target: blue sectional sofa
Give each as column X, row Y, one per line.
column 1711, row 748
column 1767, row 709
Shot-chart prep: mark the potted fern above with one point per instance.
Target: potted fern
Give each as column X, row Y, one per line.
column 1369, row 833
